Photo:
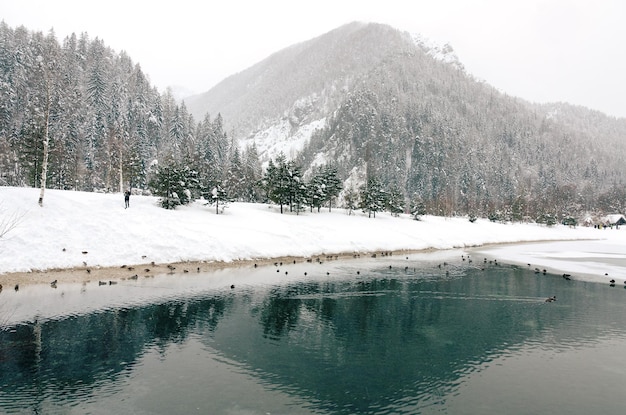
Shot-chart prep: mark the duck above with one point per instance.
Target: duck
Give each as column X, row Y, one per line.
column 53, row 284
column 551, row 299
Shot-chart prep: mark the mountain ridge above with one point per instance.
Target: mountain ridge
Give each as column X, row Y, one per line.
column 375, row 100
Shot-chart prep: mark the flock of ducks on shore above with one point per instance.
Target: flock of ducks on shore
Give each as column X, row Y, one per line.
column 171, row 268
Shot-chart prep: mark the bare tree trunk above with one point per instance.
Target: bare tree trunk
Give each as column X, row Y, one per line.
column 46, row 142
column 121, row 174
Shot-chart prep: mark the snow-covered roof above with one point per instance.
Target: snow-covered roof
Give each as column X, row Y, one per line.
column 614, row 218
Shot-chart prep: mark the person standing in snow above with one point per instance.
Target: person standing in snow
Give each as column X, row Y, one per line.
column 127, row 199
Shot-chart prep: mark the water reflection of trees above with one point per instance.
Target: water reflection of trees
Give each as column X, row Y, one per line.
column 351, row 344
column 279, row 312
column 372, row 342
column 68, row 355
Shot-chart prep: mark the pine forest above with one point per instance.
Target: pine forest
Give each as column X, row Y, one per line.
column 404, row 132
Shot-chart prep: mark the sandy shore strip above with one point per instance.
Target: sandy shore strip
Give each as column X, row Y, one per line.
column 124, row 272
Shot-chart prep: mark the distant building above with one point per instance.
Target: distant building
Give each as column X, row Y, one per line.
column 615, row 219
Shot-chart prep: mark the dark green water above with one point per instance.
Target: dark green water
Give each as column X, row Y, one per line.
column 386, row 341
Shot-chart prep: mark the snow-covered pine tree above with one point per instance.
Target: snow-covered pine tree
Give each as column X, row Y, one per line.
column 277, row 182
column 332, row 183
column 252, row 174
column 176, row 185
column 296, row 187
column 218, row 197
column 316, row 190
column 418, row 208
column 234, row 176
column 373, row 197
column 351, row 200
column 395, row 201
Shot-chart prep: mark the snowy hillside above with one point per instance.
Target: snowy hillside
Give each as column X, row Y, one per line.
column 370, row 97
column 78, row 228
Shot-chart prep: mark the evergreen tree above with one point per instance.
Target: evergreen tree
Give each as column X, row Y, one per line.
column 351, row 199
column 418, row 208
column 175, row 184
column 276, row 183
column 297, row 188
column 316, row 191
column 323, row 187
column 332, row 184
column 394, row 201
column 373, row 197
column 218, row 197
column 252, row 174
column 235, row 175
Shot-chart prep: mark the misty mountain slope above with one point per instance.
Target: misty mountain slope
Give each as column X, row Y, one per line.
column 372, row 100
column 302, row 83
column 459, row 145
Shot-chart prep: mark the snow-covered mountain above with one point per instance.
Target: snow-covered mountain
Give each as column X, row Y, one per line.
column 374, row 100
column 280, row 101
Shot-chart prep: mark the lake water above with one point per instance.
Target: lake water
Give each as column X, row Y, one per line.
column 430, row 333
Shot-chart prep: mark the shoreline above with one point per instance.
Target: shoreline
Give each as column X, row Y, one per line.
column 85, row 275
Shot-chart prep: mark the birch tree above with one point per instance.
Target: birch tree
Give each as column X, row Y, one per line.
column 46, row 135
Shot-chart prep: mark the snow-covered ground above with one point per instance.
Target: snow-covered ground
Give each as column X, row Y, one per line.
column 74, row 228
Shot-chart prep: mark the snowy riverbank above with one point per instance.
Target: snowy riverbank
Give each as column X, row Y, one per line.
column 78, row 230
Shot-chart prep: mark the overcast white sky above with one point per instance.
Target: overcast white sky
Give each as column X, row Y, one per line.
column 543, row 51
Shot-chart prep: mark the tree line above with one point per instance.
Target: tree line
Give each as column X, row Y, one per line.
column 80, row 116
column 284, row 184
column 77, row 115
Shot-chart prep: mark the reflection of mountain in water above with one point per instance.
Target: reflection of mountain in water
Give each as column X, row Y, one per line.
column 360, row 345
column 354, row 345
